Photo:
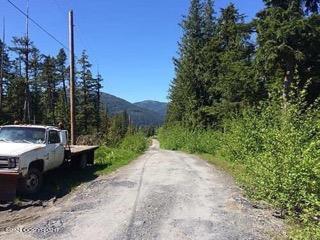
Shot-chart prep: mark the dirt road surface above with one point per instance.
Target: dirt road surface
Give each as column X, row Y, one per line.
column 162, row 195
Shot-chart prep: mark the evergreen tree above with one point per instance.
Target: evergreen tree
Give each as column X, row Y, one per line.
column 235, row 85
column 23, row 47
column 302, row 6
column 208, row 66
column 15, row 92
column 97, row 102
column 176, row 106
column 209, row 21
column 61, row 72
column 287, row 55
column 6, row 68
column 35, row 86
column 49, row 81
column 86, row 95
column 214, row 74
column 185, row 90
column 119, row 126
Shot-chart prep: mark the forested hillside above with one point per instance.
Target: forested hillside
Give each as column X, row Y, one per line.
column 141, row 114
column 158, row 107
column 248, row 93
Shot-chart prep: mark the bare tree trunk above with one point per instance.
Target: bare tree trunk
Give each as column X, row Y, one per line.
column 65, row 98
column 53, row 102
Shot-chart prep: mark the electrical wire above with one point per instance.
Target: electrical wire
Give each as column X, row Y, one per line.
column 38, row 25
column 46, row 31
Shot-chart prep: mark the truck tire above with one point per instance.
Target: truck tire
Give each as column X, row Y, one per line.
column 80, row 162
column 83, row 161
column 32, row 183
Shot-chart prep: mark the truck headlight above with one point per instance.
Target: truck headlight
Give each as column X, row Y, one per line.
column 13, row 162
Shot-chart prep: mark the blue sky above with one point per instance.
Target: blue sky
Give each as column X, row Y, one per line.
column 132, row 42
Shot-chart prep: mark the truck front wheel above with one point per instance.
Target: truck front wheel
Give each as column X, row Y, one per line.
column 32, row 183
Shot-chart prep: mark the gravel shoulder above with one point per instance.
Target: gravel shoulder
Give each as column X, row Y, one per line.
column 161, row 195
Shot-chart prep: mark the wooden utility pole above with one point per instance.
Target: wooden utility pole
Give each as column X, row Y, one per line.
column 2, row 65
column 72, row 81
column 26, row 115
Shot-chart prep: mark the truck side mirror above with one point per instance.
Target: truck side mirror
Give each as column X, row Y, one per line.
column 64, row 137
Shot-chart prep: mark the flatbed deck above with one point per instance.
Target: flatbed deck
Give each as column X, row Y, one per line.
column 79, row 149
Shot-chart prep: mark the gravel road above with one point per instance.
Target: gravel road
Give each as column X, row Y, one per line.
column 162, row 195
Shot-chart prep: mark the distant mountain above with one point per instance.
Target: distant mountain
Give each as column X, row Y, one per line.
column 155, row 106
column 141, row 114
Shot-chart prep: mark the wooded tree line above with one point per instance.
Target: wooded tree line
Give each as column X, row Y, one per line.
column 226, row 64
column 35, row 88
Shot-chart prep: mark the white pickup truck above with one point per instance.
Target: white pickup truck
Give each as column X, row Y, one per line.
column 28, row 151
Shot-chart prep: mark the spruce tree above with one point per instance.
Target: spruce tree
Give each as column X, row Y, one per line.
column 185, row 90
column 6, row 68
column 23, row 47
column 302, row 6
column 287, row 55
column 61, row 72
column 97, row 101
column 236, row 84
column 208, row 66
column 209, row 21
column 15, row 92
column 85, row 96
column 50, row 96
column 36, row 86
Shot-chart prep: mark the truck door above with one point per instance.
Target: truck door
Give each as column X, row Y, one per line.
column 50, row 151
column 54, row 142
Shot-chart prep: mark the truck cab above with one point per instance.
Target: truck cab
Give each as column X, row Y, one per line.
column 31, row 150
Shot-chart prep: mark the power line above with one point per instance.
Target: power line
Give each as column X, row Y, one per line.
column 38, row 25
column 43, row 29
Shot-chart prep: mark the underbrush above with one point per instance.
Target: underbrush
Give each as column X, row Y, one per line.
column 198, row 141
column 278, row 153
column 114, row 157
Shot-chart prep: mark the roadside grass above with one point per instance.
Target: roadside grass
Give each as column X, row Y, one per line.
column 110, row 159
column 60, row 182
column 230, row 168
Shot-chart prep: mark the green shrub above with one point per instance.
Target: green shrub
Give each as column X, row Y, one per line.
column 136, row 143
column 173, row 137
column 111, row 158
column 198, row 141
column 281, row 153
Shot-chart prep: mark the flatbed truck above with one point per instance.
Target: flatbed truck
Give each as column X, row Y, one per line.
column 29, row 151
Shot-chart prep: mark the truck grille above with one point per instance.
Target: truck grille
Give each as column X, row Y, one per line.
column 4, row 162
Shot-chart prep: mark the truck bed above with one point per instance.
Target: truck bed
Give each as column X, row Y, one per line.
column 80, row 149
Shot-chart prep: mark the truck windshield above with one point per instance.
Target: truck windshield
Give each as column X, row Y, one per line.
column 22, row 135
